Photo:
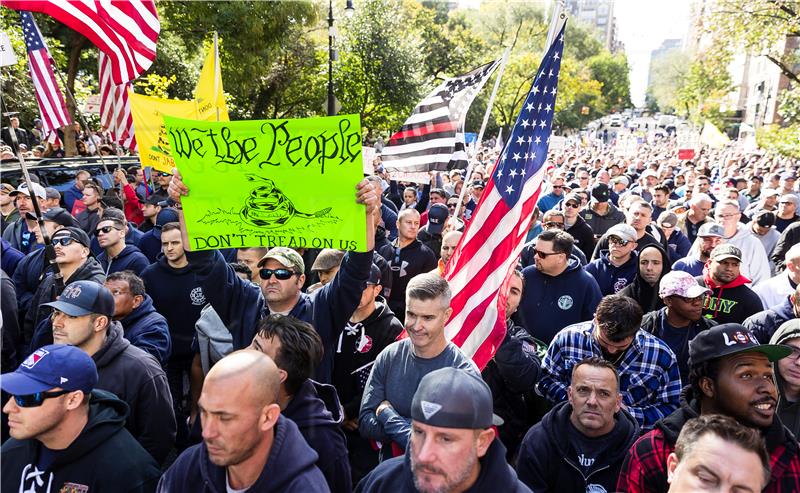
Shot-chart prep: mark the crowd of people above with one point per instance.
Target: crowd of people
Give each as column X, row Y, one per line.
column 652, row 342
column 35, row 143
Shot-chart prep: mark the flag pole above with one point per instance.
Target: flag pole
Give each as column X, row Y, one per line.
column 216, row 68
column 471, row 162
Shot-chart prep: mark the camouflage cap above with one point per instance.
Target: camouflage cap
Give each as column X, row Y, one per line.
column 285, row 256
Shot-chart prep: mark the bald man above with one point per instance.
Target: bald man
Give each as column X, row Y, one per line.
column 247, row 444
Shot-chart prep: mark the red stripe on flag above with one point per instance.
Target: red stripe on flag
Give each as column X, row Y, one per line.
column 427, row 129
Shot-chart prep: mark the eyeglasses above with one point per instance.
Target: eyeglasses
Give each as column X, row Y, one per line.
column 63, row 241
column 795, row 354
column 105, row 230
column 280, row 274
column 542, row 254
column 726, row 216
column 37, row 399
column 558, row 187
column 691, row 301
column 553, row 224
column 616, row 240
column 572, row 205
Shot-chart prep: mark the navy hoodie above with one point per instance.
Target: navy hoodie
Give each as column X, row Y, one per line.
column 178, row 296
column 147, row 329
column 547, row 461
column 10, row 257
column 609, row 277
column 104, row 457
column 394, row 475
column 27, row 277
column 316, row 411
column 550, row 303
column 289, row 469
column 130, row 258
column 240, row 304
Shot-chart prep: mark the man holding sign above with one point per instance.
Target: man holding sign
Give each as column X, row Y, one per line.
column 242, row 304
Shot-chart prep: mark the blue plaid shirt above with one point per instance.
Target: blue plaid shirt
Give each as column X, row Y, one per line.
column 649, row 379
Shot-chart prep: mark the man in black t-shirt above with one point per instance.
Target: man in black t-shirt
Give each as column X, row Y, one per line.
column 591, row 433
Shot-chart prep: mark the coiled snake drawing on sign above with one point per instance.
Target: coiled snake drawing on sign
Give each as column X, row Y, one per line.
column 268, row 207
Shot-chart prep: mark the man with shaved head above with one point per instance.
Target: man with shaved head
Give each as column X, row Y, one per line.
column 247, row 444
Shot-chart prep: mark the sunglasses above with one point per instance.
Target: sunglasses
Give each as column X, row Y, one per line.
column 558, row 187
column 63, row 241
column 37, row 399
column 542, row 254
column 105, row 230
column 553, row 224
column 280, row 274
column 617, row 241
column 572, row 205
column 162, row 174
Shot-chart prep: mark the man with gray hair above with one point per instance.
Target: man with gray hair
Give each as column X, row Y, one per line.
column 696, row 216
column 755, row 265
column 386, row 406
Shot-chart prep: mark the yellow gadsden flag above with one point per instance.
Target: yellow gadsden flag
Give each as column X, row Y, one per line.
column 147, row 111
column 208, row 93
column 712, row 137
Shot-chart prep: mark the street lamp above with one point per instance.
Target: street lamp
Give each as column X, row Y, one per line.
column 332, row 55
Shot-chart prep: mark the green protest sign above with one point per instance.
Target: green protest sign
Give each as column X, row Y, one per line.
column 271, row 182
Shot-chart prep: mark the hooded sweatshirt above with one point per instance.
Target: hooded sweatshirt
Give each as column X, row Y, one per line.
column 289, row 468
column 358, row 346
column 583, row 235
column 728, row 303
column 130, row 258
column 316, row 411
column 179, row 297
column 755, row 264
column 104, row 457
column 641, row 290
column 549, row 461
column 550, row 303
column 136, row 377
column 788, row 411
column 36, row 329
column 147, row 329
column 395, row 475
column 415, row 258
column 764, row 324
column 601, row 224
column 612, row 278
column 645, row 467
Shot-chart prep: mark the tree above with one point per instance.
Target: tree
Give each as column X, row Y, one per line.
column 667, row 76
column 761, row 27
column 706, row 82
column 612, row 71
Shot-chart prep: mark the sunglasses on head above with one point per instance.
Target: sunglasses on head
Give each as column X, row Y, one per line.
column 280, row 274
column 63, row 241
column 105, row 230
column 37, row 399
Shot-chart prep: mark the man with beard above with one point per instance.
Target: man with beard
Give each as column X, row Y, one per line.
column 787, row 211
column 452, row 446
column 729, row 298
column 247, row 444
column 730, row 374
column 649, row 376
column 709, row 236
column 386, row 406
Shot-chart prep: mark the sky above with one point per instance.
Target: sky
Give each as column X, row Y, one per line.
column 643, row 25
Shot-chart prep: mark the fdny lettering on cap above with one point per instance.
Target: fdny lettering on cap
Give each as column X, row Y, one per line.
column 71, row 292
column 34, row 358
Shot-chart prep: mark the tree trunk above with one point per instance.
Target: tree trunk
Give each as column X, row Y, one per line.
column 78, row 43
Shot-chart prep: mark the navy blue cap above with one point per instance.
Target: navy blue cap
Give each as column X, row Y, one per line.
column 167, row 215
column 56, row 365
column 84, row 298
column 437, row 215
column 75, row 233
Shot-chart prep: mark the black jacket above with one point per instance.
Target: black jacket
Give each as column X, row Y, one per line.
column 359, row 344
column 512, row 375
column 652, row 322
column 10, row 325
column 137, row 378
column 289, row 469
column 641, row 291
column 731, row 303
column 88, row 220
column 394, row 475
column 584, row 237
column 547, row 461
column 415, row 258
column 104, row 457
column 28, row 275
column 764, row 324
column 36, row 330
column 316, row 411
column 430, row 240
column 789, row 238
column 147, row 329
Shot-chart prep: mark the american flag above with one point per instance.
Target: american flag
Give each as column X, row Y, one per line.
column 488, row 251
column 48, row 95
column 115, row 110
column 428, row 140
column 125, row 30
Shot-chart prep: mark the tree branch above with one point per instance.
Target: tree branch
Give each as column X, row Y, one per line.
column 784, row 69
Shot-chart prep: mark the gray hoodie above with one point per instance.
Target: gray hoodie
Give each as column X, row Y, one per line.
column 789, row 412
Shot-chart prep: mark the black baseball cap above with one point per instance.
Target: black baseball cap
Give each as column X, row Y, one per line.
column 84, row 298
column 60, row 216
column 765, row 219
column 600, row 192
column 374, row 275
column 727, row 339
column 76, row 234
column 437, row 215
column 453, row 398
